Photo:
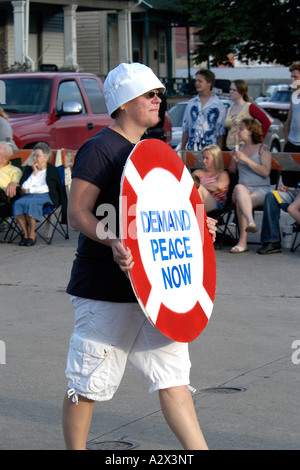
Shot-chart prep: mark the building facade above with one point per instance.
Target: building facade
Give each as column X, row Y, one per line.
column 93, row 35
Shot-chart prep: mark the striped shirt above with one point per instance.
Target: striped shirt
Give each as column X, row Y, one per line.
column 221, row 195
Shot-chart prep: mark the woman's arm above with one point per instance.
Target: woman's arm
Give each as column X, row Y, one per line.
column 233, row 163
column 221, row 183
column 199, row 173
column 264, row 168
column 82, row 199
column 261, row 117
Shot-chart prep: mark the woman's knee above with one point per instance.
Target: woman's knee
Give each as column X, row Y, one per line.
column 291, row 210
column 239, row 191
column 239, row 188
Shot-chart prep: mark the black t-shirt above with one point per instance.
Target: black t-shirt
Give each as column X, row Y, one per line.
column 95, row 275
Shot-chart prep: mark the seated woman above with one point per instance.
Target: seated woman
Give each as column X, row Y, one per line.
column 214, row 181
column 253, row 161
column 10, row 175
column 40, row 184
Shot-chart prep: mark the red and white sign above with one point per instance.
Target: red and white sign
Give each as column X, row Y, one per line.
column 162, row 221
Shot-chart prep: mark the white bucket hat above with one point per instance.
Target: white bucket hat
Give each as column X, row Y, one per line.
column 128, row 81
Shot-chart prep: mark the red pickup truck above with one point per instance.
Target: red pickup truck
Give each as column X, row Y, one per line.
column 62, row 109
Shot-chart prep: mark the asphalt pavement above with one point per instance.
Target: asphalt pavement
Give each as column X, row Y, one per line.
column 244, row 365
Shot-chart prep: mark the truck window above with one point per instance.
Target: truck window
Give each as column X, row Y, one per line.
column 95, row 95
column 69, row 91
column 27, row 95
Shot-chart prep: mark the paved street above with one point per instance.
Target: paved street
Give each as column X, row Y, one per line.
column 247, row 344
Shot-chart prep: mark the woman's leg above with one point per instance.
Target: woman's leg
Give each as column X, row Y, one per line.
column 31, row 223
column 177, row 407
column 208, row 200
column 179, row 412
column 245, row 203
column 22, row 221
column 242, row 200
column 103, row 330
column 76, row 422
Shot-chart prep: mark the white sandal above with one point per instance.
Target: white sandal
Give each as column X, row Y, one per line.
column 239, row 249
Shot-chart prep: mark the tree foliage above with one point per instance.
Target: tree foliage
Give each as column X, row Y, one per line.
column 261, row 30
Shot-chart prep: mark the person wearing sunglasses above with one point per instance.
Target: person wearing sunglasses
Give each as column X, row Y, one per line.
column 158, row 131
column 110, row 326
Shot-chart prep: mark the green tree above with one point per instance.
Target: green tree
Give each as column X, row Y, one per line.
column 263, row 30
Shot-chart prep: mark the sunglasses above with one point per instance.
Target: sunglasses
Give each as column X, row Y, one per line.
column 151, row 94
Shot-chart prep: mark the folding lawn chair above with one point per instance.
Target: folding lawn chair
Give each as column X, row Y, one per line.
column 54, row 217
column 296, row 230
column 291, row 180
column 13, row 230
column 223, row 216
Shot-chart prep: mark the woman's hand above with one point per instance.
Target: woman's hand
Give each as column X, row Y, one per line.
column 122, row 256
column 240, row 156
column 11, row 189
column 212, row 227
column 35, row 167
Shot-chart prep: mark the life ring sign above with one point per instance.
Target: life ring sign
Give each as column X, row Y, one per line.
column 162, row 221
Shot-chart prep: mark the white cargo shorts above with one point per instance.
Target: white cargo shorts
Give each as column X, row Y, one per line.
column 105, row 335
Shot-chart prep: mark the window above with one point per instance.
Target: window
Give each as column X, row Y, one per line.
column 161, row 47
column 95, row 95
column 69, row 91
column 27, row 95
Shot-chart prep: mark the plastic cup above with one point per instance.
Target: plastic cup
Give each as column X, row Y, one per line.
column 286, row 236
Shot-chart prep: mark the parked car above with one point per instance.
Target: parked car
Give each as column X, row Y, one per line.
column 274, row 139
column 271, row 90
column 278, row 105
column 62, row 109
